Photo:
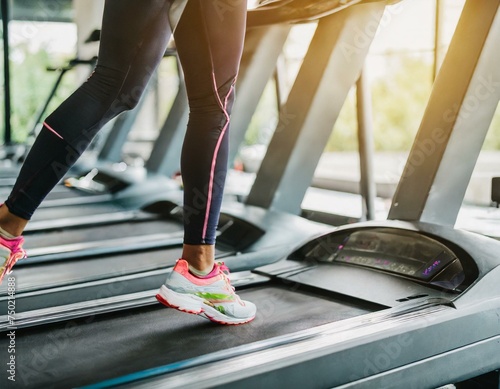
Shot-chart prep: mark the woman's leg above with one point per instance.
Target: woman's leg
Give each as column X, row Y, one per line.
column 209, row 40
column 133, row 40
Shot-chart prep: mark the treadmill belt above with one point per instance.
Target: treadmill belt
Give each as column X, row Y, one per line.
column 101, row 233
column 94, row 349
column 29, row 278
column 74, row 211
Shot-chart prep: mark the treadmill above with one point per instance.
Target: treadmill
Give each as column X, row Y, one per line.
column 157, row 227
column 406, row 302
column 252, row 237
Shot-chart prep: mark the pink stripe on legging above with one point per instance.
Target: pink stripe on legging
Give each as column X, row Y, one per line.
column 52, row 130
column 216, row 151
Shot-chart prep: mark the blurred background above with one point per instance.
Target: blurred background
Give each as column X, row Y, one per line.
column 401, row 66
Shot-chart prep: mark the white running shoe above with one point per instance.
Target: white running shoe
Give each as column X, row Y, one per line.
column 212, row 296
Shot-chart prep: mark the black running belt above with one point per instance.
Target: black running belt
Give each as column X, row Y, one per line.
column 30, row 278
column 54, row 213
column 128, row 229
column 93, row 349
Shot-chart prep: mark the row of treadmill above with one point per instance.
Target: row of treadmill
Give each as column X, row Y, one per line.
column 408, row 302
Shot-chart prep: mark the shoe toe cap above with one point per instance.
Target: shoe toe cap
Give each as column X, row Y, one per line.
column 244, row 310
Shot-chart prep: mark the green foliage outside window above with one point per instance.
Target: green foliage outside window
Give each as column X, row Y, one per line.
column 398, row 103
column 30, row 86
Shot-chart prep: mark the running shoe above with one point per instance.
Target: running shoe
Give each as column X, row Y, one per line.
column 212, row 296
column 11, row 251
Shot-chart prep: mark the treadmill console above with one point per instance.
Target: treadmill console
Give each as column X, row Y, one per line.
column 404, row 253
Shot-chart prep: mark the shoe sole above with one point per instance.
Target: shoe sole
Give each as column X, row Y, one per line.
column 196, row 305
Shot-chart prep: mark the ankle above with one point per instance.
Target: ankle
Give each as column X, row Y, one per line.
column 10, row 224
column 199, row 257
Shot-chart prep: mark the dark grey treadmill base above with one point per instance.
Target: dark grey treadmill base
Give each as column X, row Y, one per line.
column 90, row 350
column 129, row 229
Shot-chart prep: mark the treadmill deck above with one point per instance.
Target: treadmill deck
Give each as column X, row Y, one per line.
column 92, row 349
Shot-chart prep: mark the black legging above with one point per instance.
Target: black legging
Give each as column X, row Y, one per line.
column 209, row 40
